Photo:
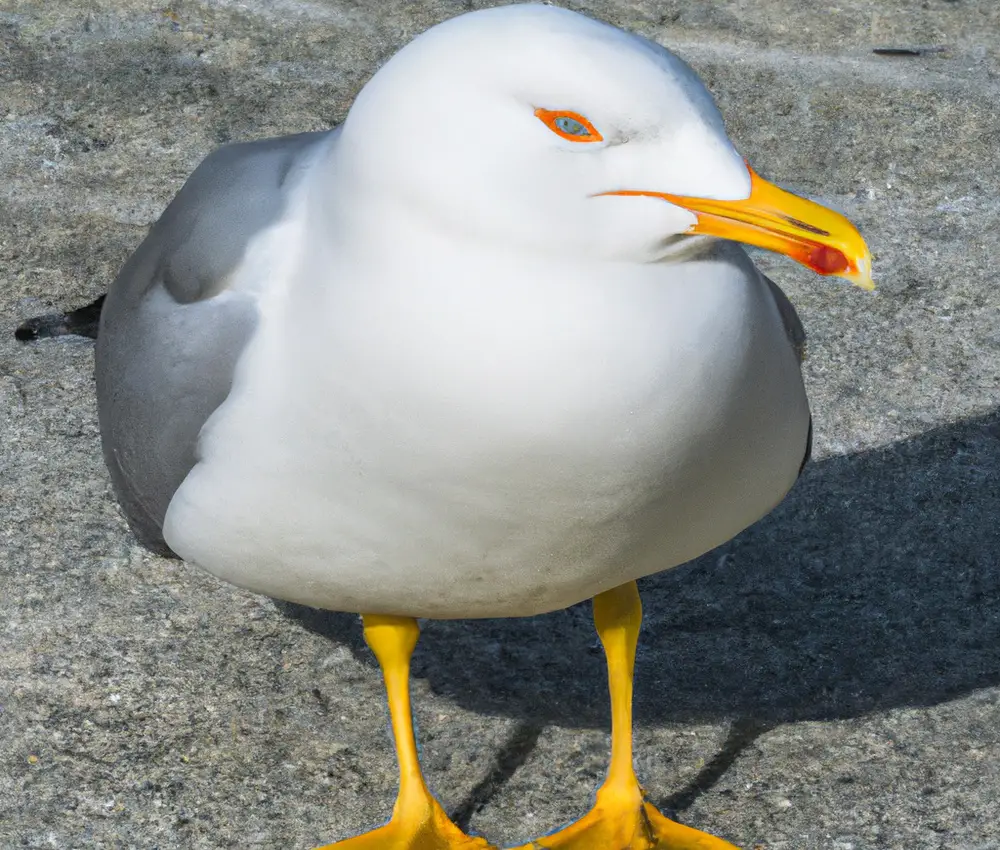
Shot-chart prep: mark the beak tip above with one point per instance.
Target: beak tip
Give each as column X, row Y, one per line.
column 862, row 277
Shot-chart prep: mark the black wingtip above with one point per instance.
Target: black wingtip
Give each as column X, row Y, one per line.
column 84, row 321
column 28, row 331
column 809, row 446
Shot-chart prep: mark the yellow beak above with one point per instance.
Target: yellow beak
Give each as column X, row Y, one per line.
column 779, row 221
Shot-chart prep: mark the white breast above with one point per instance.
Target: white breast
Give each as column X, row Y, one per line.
column 489, row 437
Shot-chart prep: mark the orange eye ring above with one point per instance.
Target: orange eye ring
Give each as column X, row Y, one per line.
column 569, row 125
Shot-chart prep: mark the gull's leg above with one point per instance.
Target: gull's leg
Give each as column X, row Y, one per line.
column 621, row 819
column 418, row 821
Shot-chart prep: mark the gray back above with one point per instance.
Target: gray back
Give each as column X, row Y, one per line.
column 168, row 344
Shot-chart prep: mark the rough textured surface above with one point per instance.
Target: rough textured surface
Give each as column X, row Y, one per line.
column 831, row 679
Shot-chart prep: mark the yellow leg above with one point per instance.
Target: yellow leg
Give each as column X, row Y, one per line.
column 418, row 821
column 621, row 819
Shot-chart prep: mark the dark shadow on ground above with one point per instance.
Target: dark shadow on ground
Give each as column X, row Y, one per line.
column 876, row 584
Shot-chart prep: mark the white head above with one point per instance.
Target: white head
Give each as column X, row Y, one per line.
column 511, row 125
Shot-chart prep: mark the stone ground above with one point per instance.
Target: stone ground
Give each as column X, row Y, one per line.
column 830, row 679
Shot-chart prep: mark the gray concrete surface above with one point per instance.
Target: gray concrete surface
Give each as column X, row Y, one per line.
column 830, row 679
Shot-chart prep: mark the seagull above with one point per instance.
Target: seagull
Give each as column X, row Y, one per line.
column 487, row 349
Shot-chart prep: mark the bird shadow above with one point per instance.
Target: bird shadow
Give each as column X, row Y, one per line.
column 876, row 584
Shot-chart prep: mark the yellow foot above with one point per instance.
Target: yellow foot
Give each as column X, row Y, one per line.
column 621, row 819
column 418, row 821
column 423, row 825
column 627, row 822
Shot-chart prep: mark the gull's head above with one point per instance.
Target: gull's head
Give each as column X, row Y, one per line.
column 541, row 129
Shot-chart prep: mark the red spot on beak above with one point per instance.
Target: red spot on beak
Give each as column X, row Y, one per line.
column 827, row 260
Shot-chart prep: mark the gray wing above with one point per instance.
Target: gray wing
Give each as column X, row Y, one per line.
column 797, row 339
column 793, row 324
column 168, row 343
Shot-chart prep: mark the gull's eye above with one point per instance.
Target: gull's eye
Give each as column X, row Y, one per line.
column 570, row 125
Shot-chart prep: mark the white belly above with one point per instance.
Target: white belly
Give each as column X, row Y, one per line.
column 458, row 449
